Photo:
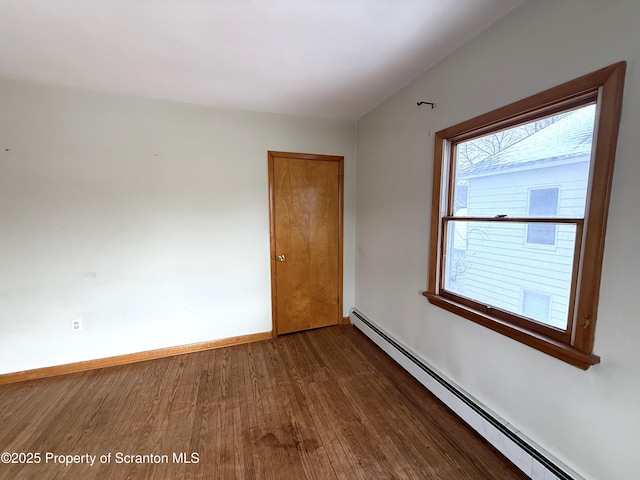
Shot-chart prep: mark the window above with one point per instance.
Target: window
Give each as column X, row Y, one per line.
column 519, row 207
column 536, row 305
column 544, row 202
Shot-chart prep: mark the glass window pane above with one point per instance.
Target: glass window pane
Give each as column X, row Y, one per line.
column 494, row 266
column 497, row 174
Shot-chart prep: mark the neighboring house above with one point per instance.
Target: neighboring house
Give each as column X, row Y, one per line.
column 544, row 174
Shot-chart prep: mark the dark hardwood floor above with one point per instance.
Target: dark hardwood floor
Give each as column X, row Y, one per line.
column 321, row 404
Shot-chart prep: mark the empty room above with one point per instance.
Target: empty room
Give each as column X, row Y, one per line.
column 355, row 239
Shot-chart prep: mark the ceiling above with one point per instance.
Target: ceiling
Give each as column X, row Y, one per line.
column 323, row 58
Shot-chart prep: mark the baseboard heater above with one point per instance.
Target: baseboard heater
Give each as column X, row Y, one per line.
column 508, row 440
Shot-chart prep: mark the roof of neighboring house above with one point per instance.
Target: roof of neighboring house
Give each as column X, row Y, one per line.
column 569, row 137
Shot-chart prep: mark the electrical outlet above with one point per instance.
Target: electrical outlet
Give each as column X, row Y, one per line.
column 76, row 325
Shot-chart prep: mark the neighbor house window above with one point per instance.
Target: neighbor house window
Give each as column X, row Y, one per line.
column 520, row 204
column 543, row 202
column 536, row 306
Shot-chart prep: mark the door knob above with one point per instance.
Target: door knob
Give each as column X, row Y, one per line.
column 281, row 258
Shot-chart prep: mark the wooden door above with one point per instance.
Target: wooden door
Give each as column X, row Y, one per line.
column 306, row 240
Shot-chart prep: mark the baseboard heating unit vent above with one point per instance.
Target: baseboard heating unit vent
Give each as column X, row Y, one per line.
column 508, row 440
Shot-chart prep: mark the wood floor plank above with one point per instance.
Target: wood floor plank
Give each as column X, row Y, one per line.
column 317, row 405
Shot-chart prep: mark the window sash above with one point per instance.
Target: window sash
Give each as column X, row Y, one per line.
column 562, row 335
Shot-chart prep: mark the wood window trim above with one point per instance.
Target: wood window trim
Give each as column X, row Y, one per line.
column 606, row 85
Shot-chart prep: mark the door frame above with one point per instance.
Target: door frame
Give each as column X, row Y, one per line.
column 272, row 227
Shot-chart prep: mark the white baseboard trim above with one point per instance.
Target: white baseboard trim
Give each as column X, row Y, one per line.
column 507, row 439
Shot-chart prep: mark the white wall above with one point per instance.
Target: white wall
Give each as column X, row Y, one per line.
column 590, row 420
column 149, row 220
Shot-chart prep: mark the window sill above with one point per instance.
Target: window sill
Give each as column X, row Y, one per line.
column 556, row 349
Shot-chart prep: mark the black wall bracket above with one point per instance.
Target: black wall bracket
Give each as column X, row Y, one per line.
column 433, row 105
